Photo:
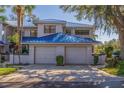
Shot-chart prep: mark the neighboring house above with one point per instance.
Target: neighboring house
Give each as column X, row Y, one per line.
column 43, row 40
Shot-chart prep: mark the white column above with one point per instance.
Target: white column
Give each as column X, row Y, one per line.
column 31, row 54
column 89, row 55
column 40, row 31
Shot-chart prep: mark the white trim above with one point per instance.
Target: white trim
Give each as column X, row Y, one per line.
column 59, row 43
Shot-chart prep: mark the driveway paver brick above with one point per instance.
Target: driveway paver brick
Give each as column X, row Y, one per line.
column 50, row 73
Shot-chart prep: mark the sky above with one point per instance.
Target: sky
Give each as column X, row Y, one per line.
column 54, row 12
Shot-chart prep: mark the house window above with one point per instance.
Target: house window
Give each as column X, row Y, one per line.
column 33, row 33
column 25, row 50
column 68, row 31
column 82, row 32
column 49, row 29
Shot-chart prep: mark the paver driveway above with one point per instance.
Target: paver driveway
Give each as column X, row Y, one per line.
column 48, row 73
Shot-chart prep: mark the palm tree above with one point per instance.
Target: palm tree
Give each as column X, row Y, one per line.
column 2, row 17
column 107, row 17
column 21, row 11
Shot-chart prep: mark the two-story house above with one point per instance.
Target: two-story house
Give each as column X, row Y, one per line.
column 43, row 40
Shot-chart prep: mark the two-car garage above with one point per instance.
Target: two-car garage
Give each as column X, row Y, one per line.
column 43, row 50
column 72, row 54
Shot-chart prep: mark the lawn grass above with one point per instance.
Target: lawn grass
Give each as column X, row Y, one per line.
column 118, row 70
column 114, row 71
column 5, row 71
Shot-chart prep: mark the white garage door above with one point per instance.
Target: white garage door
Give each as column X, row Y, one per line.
column 76, row 55
column 45, row 55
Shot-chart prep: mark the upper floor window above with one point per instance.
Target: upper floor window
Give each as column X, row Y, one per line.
column 82, row 32
column 33, row 33
column 68, row 31
column 49, row 29
column 25, row 50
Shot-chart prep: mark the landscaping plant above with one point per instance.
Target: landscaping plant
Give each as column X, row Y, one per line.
column 96, row 59
column 121, row 68
column 59, row 60
column 109, row 58
column 108, row 51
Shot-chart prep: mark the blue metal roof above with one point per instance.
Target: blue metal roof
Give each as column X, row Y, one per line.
column 58, row 38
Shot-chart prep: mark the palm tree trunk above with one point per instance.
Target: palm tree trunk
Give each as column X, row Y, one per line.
column 121, row 39
column 20, row 36
column 19, row 52
column 18, row 30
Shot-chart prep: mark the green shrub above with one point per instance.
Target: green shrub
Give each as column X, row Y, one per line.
column 116, row 60
column 121, row 64
column 96, row 59
column 109, row 62
column 121, row 68
column 59, row 60
column 108, row 51
column 112, row 62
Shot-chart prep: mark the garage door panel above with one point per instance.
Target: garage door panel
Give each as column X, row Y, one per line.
column 45, row 61
column 75, row 55
column 45, row 55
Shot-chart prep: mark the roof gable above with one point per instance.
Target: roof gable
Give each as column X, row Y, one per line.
column 58, row 38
